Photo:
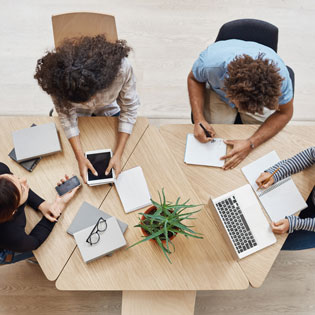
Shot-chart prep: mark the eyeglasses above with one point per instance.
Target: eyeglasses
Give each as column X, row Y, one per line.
column 94, row 236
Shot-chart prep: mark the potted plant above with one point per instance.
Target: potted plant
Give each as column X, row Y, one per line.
column 163, row 221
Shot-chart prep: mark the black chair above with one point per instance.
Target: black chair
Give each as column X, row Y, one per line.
column 255, row 31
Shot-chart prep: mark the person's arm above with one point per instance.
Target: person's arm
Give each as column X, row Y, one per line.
column 288, row 167
column 115, row 161
column 69, row 123
column 19, row 241
column 293, row 165
column 128, row 101
column 272, row 125
column 83, row 163
column 293, row 223
column 196, row 91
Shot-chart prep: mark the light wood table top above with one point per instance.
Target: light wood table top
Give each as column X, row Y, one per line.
column 196, row 264
column 96, row 133
column 213, row 181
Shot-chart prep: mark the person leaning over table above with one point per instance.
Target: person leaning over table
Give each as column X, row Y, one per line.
column 303, row 226
column 90, row 76
column 15, row 194
column 234, row 76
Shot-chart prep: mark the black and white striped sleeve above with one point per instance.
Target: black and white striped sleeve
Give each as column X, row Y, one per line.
column 296, row 223
column 294, row 164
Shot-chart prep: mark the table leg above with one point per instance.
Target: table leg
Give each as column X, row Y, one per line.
column 158, row 302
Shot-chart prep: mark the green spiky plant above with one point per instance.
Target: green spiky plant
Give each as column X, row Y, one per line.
column 165, row 222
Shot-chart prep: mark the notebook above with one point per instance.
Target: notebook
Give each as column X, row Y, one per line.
column 133, row 190
column 110, row 240
column 29, row 165
column 88, row 215
column 36, row 141
column 208, row 154
column 279, row 200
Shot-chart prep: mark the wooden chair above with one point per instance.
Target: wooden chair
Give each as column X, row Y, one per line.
column 78, row 24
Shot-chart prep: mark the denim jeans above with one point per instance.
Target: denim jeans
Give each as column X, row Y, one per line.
column 16, row 257
column 299, row 240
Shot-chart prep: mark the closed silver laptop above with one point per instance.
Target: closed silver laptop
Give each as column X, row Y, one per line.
column 242, row 221
column 36, row 141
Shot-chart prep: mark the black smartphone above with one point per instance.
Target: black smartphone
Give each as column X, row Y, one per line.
column 68, row 185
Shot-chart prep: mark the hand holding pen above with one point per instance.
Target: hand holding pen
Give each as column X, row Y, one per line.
column 204, row 132
column 266, row 179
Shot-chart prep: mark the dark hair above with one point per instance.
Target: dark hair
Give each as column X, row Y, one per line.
column 254, row 83
column 80, row 67
column 9, row 199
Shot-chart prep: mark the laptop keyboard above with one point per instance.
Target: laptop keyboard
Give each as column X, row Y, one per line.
column 236, row 224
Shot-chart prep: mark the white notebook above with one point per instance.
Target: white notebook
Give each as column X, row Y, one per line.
column 110, row 240
column 133, row 190
column 280, row 199
column 208, row 154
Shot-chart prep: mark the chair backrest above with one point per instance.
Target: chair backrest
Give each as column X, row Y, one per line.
column 77, row 24
column 250, row 30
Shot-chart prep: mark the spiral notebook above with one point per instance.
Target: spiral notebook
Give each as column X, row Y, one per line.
column 279, row 200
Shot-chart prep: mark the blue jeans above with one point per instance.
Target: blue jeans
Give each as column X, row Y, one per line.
column 299, row 240
column 9, row 257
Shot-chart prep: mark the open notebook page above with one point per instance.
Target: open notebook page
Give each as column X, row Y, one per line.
column 208, row 154
column 279, row 200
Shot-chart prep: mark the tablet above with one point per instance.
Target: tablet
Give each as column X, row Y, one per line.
column 100, row 160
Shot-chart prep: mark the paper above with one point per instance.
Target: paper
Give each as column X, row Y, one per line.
column 133, row 190
column 281, row 199
column 208, row 154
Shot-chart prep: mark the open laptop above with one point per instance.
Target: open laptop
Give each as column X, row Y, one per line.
column 243, row 222
column 36, row 141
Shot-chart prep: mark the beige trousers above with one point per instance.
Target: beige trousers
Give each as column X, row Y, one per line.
column 218, row 112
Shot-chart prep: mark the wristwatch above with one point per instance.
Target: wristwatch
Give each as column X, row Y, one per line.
column 251, row 144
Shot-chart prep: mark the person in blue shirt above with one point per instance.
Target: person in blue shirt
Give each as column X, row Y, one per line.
column 234, row 76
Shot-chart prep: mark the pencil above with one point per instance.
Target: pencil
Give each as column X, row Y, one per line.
column 268, row 179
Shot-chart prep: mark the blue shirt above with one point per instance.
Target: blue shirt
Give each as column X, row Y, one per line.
column 211, row 66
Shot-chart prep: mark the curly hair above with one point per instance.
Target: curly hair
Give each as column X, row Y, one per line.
column 253, row 83
column 80, row 67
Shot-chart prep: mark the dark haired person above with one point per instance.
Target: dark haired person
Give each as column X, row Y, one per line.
column 301, row 228
column 90, row 76
column 15, row 194
column 234, row 76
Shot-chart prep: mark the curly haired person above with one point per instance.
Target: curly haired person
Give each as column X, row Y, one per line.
column 234, row 76
column 89, row 76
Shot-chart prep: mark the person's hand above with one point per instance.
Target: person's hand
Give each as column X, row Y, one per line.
column 199, row 133
column 84, row 166
column 262, row 177
column 64, row 199
column 51, row 211
column 115, row 163
column 281, row 226
column 241, row 149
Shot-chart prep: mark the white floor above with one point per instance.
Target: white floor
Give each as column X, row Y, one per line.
column 166, row 36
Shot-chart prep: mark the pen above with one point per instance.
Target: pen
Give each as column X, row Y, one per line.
column 208, row 135
column 268, row 178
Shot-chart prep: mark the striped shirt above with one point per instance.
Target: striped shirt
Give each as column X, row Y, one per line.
column 291, row 166
column 121, row 96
